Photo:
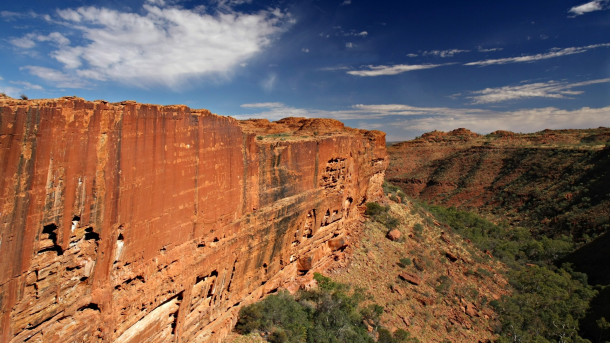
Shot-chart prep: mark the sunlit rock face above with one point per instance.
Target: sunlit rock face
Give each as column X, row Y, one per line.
column 128, row 222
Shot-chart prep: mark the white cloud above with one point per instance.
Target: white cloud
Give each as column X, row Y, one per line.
column 444, row 53
column 305, row 50
column 55, row 37
column 349, row 45
column 23, row 42
column 11, row 91
column 1, row 78
column 263, row 105
column 551, row 89
column 390, row 70
column 596, row 5
column 29, row 41
column 363, row 34
column 163, row 45
column 269, row 82
column 335, row 68
column 526, row 120
column 346, row 2
column 412, row 55
column 422, row 119
column 60, row 79
column 27, row 85
column 555, row 52
column 480, row 49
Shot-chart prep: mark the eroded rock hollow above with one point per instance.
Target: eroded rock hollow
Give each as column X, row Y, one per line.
column 128, row 222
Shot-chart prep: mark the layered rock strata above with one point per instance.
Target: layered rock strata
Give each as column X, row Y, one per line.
column 128, row 222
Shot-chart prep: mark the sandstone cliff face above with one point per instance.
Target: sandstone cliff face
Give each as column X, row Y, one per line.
column 129, row 222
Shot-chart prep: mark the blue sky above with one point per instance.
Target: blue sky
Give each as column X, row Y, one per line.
column 403, row 67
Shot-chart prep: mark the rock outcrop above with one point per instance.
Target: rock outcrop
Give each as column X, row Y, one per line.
column 554, row 180
column 128, row 222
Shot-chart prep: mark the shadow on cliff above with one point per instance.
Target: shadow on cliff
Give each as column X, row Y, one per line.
column 593, row 259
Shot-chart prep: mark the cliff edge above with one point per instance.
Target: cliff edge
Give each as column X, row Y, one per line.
column 125, row 222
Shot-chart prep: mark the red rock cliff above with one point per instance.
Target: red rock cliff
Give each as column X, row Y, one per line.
column 129, row 222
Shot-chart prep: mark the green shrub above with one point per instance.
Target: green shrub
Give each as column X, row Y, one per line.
column 547, row 302
column 405, row 261
column 331, row 313
column 380, row 214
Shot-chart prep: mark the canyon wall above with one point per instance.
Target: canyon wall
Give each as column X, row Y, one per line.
column 554, row 181
column 128, row 222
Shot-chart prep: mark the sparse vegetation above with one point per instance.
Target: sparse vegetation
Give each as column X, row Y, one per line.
column 381, row 214
column 23, row 97
column 547, row 301
column 331, row 313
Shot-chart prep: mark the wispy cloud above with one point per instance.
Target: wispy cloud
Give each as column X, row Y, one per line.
column 481, row 49
column 349, row 45
column 335, row 68
column 269, row 82
column 596, row 5
column 11, row 91
column 551, row 89
column 305, row 50
column 412, row 55
column 263, row 105
column 411, row 120
column 346, row 2
column 27, row 85
column 381, row 70
column 29, row 41
column 555, row 52
column 161, row 45
column 58, row 78
column 444, row 53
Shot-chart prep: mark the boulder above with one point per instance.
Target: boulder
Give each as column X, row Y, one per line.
column 394, row 235
column 411, row 278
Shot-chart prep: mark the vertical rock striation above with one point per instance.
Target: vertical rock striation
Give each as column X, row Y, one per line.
column 128, row 222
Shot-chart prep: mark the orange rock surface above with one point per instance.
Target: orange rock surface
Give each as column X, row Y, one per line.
column 128, row 222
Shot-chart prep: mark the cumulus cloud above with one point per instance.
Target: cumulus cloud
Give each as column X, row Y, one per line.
column 596, row 5
column 27, row 85
column 551, row 89
column 413, row 119
column 162, row 45
column 60, row 79
column 391, row 69
column 444, row 53
column 555, row 52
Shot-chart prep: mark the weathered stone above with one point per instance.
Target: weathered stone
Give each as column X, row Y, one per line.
column 397, row 289
column 129, row 222
column 451, row 256
column 411, row 278
column 394, row 235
